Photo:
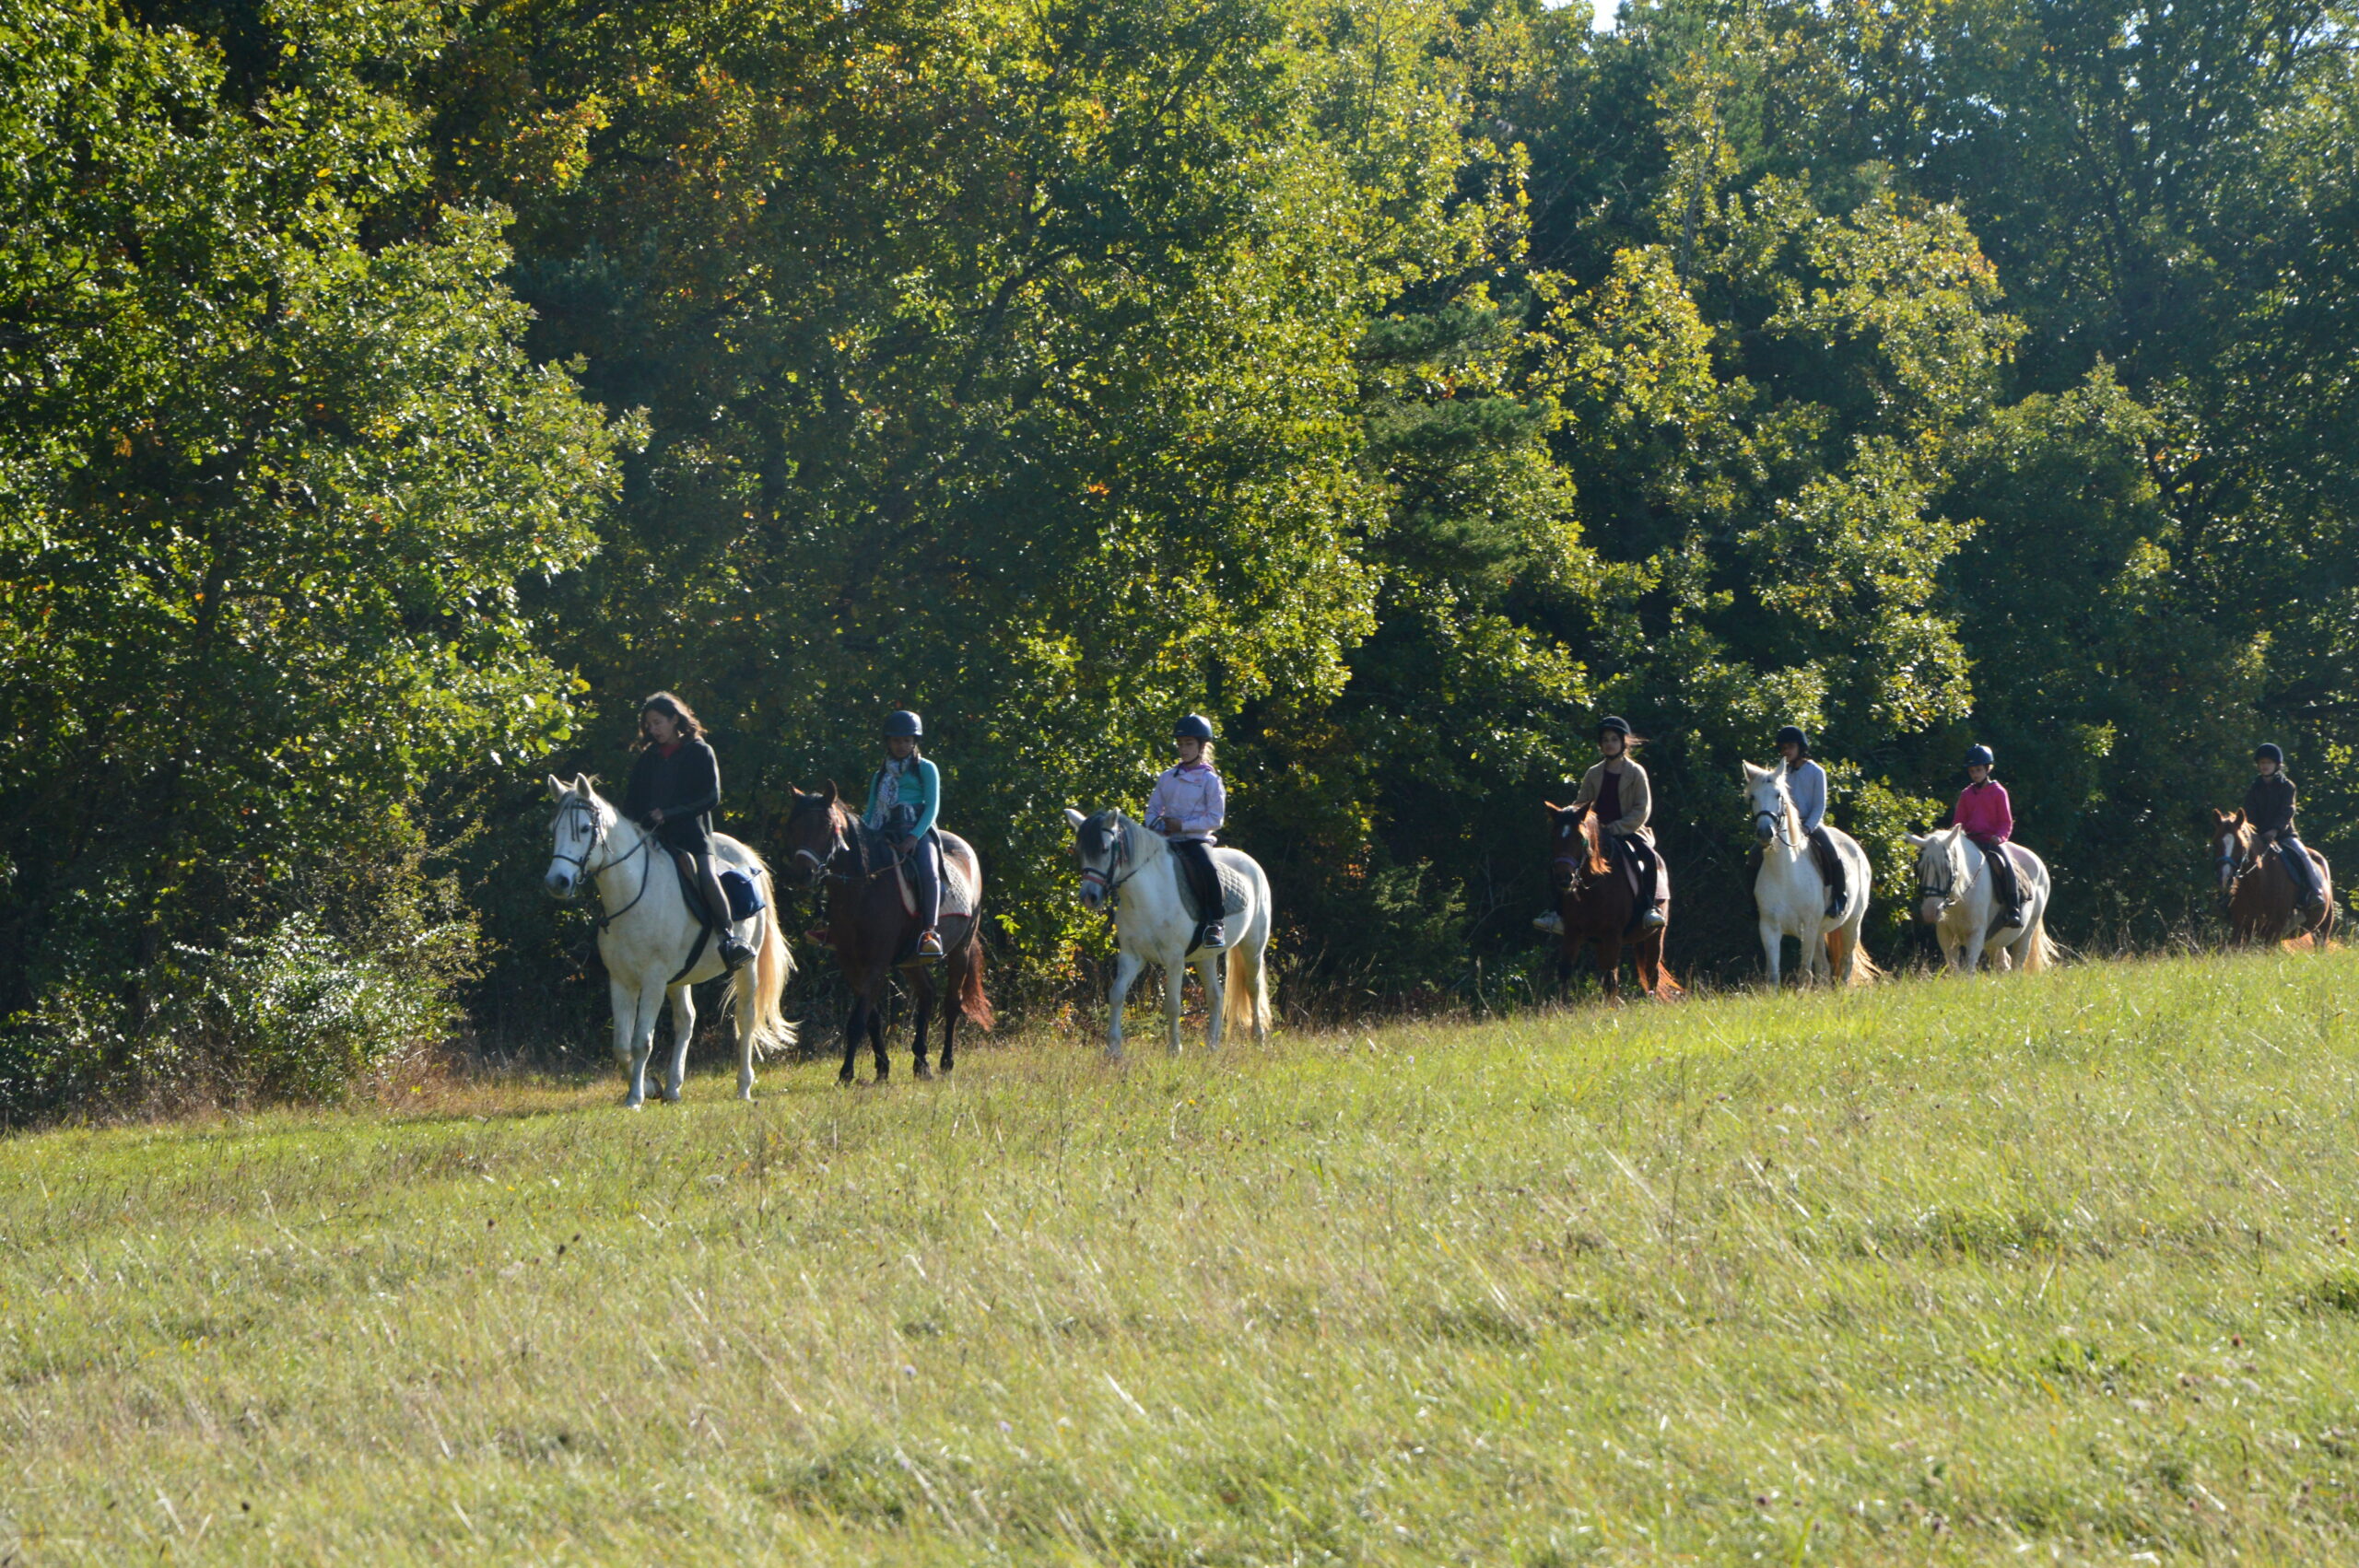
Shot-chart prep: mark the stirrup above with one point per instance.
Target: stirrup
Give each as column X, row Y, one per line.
column 735, row 954
column 1212, row 938
column 1552, row 922
column 930, row 944
column 1654, row 919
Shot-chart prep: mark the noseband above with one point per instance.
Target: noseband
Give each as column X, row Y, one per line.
column 1118, row 852
column 1946, row 891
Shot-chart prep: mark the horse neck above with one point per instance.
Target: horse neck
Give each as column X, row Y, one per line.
column 622, row 838
column 1143, row 847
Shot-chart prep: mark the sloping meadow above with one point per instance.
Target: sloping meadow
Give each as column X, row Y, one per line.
column 1932, row 1272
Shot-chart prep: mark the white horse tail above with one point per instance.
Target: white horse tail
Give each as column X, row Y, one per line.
column 1248, row 977
column 762, row 983
column 1860, row 969
column 2039, row 953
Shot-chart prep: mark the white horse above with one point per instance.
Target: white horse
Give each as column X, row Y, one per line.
column 1791, row 892
column 647, row 929
column 1954, row 897
column 1123, row 860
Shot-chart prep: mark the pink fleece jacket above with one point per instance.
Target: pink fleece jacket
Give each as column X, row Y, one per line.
column 1983, row 810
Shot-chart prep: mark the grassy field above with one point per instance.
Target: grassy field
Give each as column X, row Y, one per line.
column 2051, row 1268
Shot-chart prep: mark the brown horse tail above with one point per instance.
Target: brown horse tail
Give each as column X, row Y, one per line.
column 1863, row 970
column 972, row 1003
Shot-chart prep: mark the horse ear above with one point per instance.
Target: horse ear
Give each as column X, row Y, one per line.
column 557, row 788
column 581, row 783
column 1075, row 817
column 1918, row 840
column 1553, row 809
column 829, row 789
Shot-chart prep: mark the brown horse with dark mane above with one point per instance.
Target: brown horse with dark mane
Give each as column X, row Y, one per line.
column 2263, row 902
column 874, row 929
column 1595, row 901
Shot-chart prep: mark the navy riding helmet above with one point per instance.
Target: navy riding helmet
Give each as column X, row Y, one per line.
column 1195, row 727
column 2270, row 751
column 1794, row 732
column 1612, row 725
column 904, row 723
column 1983, row 755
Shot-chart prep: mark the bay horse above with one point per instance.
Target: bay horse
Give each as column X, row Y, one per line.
column 1954, row 897
column 1123, row 864
column 874, row 933
column 2261, row 902
column 647, row 929
column 1595, row 901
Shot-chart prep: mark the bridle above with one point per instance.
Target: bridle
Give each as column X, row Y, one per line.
column 826, row 866
column 1578, row 881
column 1778, row 819
column 1118, row 853
column 589, row 808
column 1947, row 891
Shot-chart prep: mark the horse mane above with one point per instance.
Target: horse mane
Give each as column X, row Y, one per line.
column 1593, row 837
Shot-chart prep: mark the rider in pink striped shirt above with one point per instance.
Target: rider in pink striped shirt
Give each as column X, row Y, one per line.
column 1988, row 818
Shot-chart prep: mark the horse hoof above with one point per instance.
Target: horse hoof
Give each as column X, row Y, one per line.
column 847, row 1079
column 921, row 1071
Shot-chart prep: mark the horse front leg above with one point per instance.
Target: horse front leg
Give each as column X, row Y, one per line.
column 1772, row 953
column 853, row 1024
column 922, row 981
column 684, row 1023
column 876, row 1026
column 1609, row 965
column 1127, row 965
column 626, row 1005
column 642, row 1041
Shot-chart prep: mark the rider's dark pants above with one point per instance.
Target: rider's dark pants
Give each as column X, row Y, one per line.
column 2003, row 881
column 1640, row 857
column 1203, row 880
column 2298, row 865
column 1830, row 864
column 691, row 846
column 924, row 855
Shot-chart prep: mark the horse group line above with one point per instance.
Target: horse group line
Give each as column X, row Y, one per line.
column 655, row 948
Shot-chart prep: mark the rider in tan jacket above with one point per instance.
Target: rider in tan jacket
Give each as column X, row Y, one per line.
column 1615, row 790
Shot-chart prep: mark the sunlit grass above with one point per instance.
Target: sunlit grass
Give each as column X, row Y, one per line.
column 1932, row 1272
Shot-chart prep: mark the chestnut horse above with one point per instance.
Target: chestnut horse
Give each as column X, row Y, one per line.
column 2259, row 895
column 873, row 932
column 1595, row 901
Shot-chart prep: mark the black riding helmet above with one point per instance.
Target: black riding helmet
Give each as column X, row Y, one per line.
column 1983, row 755
column 1794, row 732
column 2270, row 751
column 904, row 723
column 1194, row 727
column 1612, row 725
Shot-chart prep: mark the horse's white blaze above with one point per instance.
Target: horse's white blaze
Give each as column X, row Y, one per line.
column 1958, row 904
column 649, row 934
column 1152, row 925
column 1792, row 894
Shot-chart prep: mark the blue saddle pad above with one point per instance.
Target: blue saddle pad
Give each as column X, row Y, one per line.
column 744, row 895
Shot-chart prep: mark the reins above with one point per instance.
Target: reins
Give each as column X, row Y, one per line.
column 605, row 917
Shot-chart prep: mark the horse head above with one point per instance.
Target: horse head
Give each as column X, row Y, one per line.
column 1940, row 872
column 1773, row 805
column 2231, row 844
column 579, row 831
column 1578, row 851
column 1099, row 843
column 815, row 830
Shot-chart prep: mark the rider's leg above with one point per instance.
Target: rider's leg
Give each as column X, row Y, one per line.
column 2003, row 881
column 2298, row 866
column 1830, row 866
column 1650, row 913
column 925, row 874
column 716, row 907
column 1204, row 879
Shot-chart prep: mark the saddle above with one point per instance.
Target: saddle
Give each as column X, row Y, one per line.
column 743, row 894
column 961, row 879
column 1233, row 886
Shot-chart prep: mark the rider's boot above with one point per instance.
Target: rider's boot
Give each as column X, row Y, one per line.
column 735, row 954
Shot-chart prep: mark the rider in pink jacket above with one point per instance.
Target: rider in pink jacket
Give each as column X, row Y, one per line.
column 1988, row 818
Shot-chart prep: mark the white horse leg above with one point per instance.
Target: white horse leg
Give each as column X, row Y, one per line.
column 1773, row 953
column 1208, row 971
column 625, row 1004
column 643, row 1040
column 684, row 1023
column 1175, row 994
column 1126, row 973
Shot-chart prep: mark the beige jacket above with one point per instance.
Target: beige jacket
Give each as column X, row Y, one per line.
column 1638, row 804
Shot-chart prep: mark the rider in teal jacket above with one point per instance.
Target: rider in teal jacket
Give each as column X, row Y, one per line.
column 904, row 802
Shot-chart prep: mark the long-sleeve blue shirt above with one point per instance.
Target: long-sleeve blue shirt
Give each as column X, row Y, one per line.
column 1806, row 782
column 905, row 797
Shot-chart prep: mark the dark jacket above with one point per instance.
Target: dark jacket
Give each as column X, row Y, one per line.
column 2269, row 804
column 686, row 784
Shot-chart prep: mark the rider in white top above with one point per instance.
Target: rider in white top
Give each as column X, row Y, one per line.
column 1188, row 807
column 1806, row 784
